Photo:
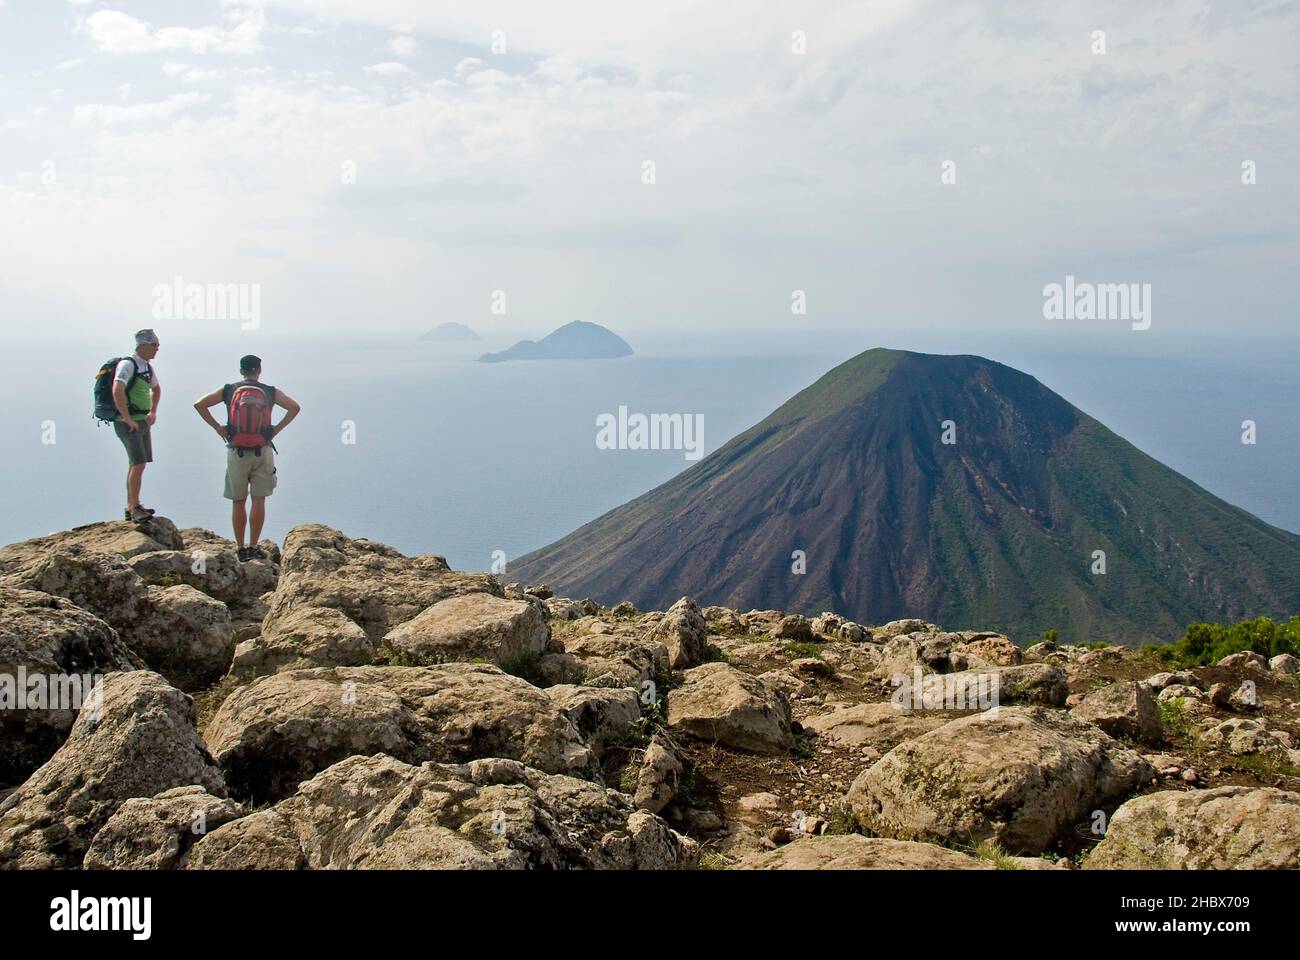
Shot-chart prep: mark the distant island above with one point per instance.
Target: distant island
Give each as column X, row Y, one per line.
column 573, row 341
column 451, row 333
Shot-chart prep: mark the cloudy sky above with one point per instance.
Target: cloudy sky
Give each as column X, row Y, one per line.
column 390, row 163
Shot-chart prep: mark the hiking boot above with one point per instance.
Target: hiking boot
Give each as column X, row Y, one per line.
column 256, row 553
column 139, row 514
column 244, row 554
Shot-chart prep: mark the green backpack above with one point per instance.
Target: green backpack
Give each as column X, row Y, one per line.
column 105, row 408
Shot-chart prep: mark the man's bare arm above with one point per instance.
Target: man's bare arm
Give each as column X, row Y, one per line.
column 292, row 407
column 205, row 403
column 153, row 409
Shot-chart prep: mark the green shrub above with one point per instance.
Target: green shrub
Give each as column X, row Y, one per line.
column 1208, row 643
column 525, row 666
column 842, row 820
column 1267, row 766
column 1173, row 716
column 804, row 650
column 989, row 850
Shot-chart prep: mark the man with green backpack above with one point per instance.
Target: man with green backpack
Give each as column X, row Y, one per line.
column 127, row 394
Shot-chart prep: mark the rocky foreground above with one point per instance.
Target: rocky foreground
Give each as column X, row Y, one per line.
column 340, row 705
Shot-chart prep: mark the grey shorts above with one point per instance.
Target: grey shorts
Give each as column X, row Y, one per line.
column 250, row 473
column 138, row 443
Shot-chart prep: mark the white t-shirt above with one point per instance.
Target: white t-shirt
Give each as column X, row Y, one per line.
column 124, row 369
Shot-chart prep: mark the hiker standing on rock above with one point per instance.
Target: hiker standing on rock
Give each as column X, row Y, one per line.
column 250, row 454
column 135, row 395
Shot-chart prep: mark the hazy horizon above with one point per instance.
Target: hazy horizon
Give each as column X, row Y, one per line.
column 462, row 458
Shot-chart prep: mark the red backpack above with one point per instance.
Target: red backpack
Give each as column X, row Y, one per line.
column 248, row 424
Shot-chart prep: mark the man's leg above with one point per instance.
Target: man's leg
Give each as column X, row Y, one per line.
column 134, row 475
column 256, row 519
column 239, row 520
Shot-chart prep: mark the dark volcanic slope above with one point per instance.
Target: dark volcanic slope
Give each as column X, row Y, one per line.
column 996, row 531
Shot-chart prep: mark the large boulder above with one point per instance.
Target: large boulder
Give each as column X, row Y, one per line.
column 185, row 635
column 374, row 585
column 794, row 628
column 604, row 716
column 1228, row 828
column 615, row 658
column 1016, row 776
column 102, row 583
column 719, row 703
column 684, row 632
column 472, row 626
column 829, row 626
column 153, row 833
column 181, row 633
column 212, row 567
column 135, row 738
column 304, row 637
column 1244, row 660
column 904, row 653
column 879, row 725
column 1124, row 709
column 1285, row 663
column 659, row 777
column 856, row 852
column 901, row 628
column 991, row 686
column 991, row 648
column 380, row 813
column 200, row 538
column 51, row 655
column 119, row 538
column 283, row 729
column 1241, row 736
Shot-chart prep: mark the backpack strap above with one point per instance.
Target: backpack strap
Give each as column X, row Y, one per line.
column 135, row 375
column 270, row 395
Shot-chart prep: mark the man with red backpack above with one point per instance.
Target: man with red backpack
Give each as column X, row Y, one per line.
column 250, row 454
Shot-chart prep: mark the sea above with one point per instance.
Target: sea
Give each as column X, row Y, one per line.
column 417, row 445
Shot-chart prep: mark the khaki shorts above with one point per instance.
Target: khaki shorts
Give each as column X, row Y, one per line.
column 249, row 473
column 138, row 443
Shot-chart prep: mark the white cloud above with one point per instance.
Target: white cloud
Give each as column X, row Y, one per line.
column 187, row 74
column 390, row 68
column 111, row 114
column 403, row 47
column 468, row 65
column 116, row 32
column 774, row 170
column 68, row 64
